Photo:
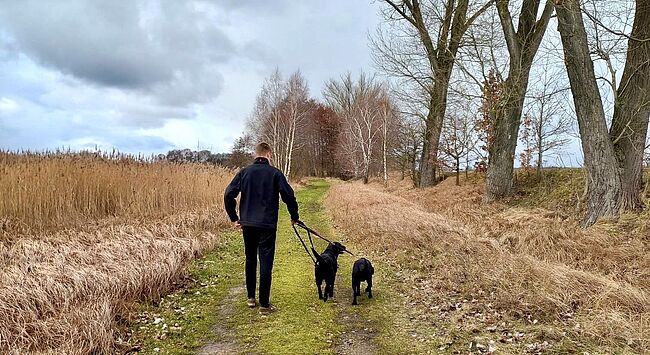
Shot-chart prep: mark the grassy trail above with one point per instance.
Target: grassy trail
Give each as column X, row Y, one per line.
column 209, row 315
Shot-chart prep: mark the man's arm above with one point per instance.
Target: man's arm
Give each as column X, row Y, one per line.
column 229, row 197
column 289, row 198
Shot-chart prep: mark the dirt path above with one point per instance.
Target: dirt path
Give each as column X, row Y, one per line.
column 227, row 343
column 209, row 316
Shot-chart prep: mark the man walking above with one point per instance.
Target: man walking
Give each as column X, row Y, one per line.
column 259, row 185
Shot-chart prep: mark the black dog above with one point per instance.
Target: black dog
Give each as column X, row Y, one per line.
column 326, row 268
column 361, row 271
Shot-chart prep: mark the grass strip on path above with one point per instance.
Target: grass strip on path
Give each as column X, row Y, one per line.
column 211, row 308
column 302, row 323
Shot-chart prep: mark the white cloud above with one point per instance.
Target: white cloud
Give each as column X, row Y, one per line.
column 8, row 105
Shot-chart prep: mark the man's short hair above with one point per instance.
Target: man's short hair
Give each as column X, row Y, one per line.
column 262, row 149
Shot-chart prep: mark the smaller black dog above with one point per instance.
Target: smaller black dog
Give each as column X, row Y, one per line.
column 361, row 271
column 326, row 268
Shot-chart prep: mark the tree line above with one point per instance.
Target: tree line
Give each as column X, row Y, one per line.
column 351, row 134
column 425, row 40
column 471, row 85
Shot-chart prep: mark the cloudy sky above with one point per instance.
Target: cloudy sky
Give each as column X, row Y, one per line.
column 148, row 76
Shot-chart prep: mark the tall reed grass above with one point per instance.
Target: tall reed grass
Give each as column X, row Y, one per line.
column 61, row 190
column 84, row 236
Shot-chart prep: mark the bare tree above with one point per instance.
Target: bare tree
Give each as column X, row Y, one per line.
column 296, row 108
column 389, row 123
column 459, row 139
column 429, row 35
column 526, row 137
column 409, row 146
column 359, row 104
column 318, row 142
column 632, row 108
column 522, row 44
column 280, row 109
column 266, row 120
column 603, row 190
column 550, row 122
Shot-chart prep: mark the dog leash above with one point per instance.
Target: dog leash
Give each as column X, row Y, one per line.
column 303, row 243
column 309, row 233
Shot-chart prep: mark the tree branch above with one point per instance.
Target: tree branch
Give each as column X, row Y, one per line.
column 509, row 32
column 478, row 13
column 400, row 10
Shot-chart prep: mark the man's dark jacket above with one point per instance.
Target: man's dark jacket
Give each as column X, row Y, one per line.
column 259, row 184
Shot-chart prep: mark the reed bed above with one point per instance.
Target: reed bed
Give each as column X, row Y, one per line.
column 61, row 190
column 85, row 236
column 591, row 286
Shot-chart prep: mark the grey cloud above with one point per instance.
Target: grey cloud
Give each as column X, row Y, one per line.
column 143, row 144
column 260, row 52
column 8, row 50
column 266, row 5
column 150, row 116
column 162, row 48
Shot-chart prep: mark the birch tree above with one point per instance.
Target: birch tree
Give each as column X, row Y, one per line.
column 266, row 120
column 295, row 110
column 358, row 104
column 280, row 109
column 389, row 124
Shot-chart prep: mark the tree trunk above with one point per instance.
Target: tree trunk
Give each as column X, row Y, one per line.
column 457, row 171
column 539, row 163
column 366, row 175
column 540, row 145
column 414, row 168
column 603, row 178
column 506, row 129
column 385, row 153
column 522, row 47
column 435, row 118
column 632, row 109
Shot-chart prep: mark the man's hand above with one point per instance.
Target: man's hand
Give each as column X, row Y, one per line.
column 296, row 221
column 237, row 225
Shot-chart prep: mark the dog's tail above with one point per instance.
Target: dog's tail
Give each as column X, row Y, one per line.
column 317, row 256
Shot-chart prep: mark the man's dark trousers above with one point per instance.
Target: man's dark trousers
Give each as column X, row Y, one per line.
column 262, row 240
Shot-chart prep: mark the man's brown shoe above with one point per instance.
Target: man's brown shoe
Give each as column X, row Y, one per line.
column 265, row 311
column 251, row 303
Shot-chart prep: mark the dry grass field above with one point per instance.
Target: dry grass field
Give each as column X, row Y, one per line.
column 524, row 277
column 61, row 190
column 84, row 236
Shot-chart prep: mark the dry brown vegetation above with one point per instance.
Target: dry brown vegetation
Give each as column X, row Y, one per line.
column 85, row 236
column 62, row 190
column 582, row 289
